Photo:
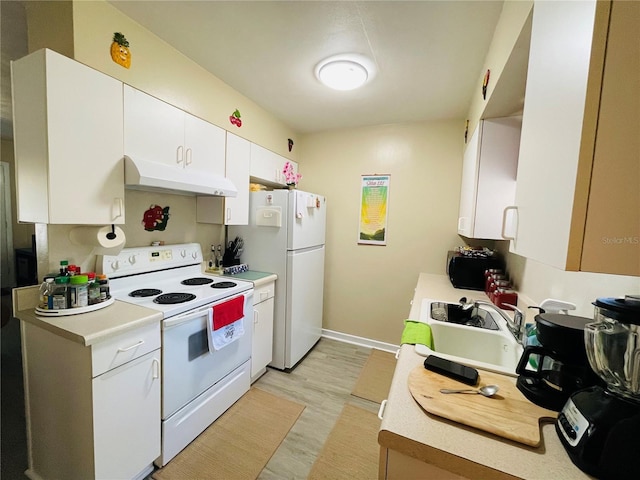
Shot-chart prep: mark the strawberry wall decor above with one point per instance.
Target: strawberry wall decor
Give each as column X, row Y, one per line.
column 155, row 218
column 290, row 144
column 120, row 52
column 234, row 118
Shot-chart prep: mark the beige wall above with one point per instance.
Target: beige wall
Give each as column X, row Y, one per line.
column 368, row 288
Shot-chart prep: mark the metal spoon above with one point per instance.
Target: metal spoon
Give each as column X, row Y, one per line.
column 487, row 390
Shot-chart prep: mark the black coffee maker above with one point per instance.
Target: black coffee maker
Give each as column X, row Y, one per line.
column 550, row 372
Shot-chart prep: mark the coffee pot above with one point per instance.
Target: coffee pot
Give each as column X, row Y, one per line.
column 550, row 372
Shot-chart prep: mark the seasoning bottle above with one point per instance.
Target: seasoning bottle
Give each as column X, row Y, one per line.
column 64, row 268
column 79, row 291
column 61, row 293
column 94, row 289
column 103, row 281
column 46, row 293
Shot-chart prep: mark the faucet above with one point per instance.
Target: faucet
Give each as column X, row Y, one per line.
column 516, row 326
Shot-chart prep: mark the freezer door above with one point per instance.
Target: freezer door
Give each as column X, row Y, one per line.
column 305, row 282
column 307, row 216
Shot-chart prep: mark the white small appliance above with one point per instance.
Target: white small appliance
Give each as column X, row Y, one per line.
column 286, row 236
column 198, row 383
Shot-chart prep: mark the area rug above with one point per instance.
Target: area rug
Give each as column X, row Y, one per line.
column 375, row 378
column 239, row 444
column 351, row 450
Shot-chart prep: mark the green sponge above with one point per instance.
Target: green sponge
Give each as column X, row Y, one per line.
column 416, row 332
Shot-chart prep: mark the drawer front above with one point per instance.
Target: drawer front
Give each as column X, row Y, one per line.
column 124, row 348
column 264, row 292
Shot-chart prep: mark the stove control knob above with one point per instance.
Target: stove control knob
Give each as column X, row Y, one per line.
column 115, row 265
column 194, row 255
column 183, row 253
column 132, row 259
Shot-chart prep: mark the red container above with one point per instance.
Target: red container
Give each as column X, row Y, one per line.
column 505, row 295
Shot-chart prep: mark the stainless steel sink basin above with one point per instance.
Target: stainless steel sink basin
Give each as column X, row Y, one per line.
column 494, row 349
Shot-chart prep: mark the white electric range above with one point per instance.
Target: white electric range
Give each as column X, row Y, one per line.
column 198, row 382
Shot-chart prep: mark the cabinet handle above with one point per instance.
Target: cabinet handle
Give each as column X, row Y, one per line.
column 188, row 157
column 156, row 368
column 460, row 224
column 118, row 207
column 382, row 407
column 255, row 316
column 503, row 233
column 397, row 354
column 228, row 214
column 131, row 347
column 179, row 154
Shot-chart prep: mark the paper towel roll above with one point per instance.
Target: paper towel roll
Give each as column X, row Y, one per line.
column 99, row 238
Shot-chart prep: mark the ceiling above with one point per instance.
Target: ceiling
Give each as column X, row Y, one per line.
column 428, row 54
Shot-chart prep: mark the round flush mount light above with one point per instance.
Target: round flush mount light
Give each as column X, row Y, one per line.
column 345, row 72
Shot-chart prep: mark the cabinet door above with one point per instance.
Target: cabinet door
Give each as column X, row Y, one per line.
column 266, row 166
column 126, row 403
column 68, row 137
column 552, row 121
column 468, row 186
column 262, row 346
column 153, row 129
column 238, row 159
column 204, row 145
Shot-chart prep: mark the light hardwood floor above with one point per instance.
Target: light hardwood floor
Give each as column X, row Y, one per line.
column 323, row 382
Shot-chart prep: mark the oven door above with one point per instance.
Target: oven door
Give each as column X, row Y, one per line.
column 188, row 368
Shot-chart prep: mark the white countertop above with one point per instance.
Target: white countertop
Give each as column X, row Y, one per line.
column 467, row 451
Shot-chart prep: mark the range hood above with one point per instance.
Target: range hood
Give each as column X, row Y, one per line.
column 145, row 175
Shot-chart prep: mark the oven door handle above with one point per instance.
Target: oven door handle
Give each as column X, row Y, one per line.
column 185, row 317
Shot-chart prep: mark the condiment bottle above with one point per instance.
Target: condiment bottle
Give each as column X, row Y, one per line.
column 79, row 293
column 61, row 293
column 103, row 281
column 46, row 293
column 94, row 289
column 64, row 268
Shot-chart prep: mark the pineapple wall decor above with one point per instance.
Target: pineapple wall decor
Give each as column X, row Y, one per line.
column 120, row 52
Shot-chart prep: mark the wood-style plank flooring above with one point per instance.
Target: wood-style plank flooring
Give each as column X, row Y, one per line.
column 322, row 382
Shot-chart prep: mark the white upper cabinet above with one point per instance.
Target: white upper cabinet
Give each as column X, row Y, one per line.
column 578, row 128
column 230, row 210
column 155, row 131
column 267, row 166
column 68, row 141
column 489, row 177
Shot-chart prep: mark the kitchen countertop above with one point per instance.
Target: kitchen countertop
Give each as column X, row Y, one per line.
column 258, row 278
column 467, row 451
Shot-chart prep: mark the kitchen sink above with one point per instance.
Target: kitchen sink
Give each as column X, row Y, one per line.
column 488, row 347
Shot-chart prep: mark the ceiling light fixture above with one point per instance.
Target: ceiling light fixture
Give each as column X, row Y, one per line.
column 344, row 72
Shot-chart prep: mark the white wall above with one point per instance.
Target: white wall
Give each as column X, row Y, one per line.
column 368, row 288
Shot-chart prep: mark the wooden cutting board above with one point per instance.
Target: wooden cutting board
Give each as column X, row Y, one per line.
column 507, row 414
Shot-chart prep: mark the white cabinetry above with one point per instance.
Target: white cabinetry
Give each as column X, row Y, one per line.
column 267, row 166
column 155, row 131
column 103, row 400
column 489, row 177
column 230, row 210
column 68, row 136
column 262, row 341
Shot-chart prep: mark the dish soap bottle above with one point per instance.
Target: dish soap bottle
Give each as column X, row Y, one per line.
column 212, row 262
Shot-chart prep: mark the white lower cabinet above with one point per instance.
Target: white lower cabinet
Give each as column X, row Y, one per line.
column 126, row 415
column 262, row 341
column 93, row 412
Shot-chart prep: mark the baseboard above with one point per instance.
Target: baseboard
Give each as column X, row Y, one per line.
column 363, row 342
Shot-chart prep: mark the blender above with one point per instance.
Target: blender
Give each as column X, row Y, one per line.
column 600, row 427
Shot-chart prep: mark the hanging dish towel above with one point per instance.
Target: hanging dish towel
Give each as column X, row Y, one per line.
column 226, row 323
column 416, row 332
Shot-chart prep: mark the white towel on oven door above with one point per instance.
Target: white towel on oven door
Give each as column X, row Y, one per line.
column 223, row 336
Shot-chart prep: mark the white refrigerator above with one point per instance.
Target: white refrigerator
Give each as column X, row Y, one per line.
column 286, row 236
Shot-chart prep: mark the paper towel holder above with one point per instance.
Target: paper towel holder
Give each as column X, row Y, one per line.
column 112, row 234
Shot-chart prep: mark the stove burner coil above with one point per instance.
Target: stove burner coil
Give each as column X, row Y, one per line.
column 145, row 292
column 196, row 281
column 223, row 285
column 171, row 298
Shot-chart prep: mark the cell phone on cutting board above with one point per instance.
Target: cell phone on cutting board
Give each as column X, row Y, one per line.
column 455, row 370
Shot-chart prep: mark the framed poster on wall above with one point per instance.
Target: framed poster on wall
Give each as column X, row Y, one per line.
column 374, row 204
